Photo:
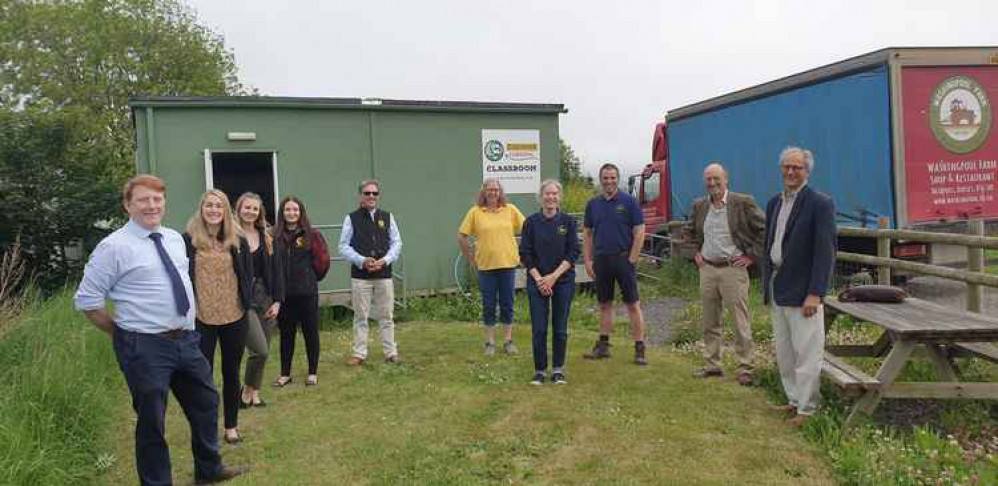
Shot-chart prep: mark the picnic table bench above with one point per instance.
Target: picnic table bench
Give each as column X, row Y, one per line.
column 936, row 332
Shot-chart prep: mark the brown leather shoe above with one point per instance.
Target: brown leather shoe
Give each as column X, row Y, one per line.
column 600, row 351
column 393, row 359
column 798, row 421
column 355, row 361
column 787, row 409
column 227, row 473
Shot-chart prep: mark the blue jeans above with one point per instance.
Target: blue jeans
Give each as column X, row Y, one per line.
column 154, row 365
column 497, row 286
column 558, row 304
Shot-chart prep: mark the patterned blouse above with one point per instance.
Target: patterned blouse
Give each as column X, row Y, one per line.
column 217, row 288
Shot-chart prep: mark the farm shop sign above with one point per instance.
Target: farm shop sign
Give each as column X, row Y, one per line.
column 513, row 157
column 950, row 155
column 960, row 114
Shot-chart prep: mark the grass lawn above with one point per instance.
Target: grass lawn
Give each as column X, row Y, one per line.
column 449, row 415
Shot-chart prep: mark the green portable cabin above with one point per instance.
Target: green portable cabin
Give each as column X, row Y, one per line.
column 429, row 156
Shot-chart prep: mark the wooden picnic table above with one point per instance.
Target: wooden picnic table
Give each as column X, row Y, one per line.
column 937, row 332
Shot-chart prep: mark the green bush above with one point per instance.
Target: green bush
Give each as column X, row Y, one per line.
column 60, row 391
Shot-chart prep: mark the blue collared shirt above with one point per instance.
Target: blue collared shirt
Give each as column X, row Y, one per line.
column 126, row 268
column 347, row 251
column 612, row 221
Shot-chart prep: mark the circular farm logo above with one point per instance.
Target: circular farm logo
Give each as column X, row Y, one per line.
column 494, row 150
column 960, row 114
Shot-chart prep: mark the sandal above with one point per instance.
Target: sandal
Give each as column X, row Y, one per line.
column 281, row 382
column 243, row 404
column 312, row 380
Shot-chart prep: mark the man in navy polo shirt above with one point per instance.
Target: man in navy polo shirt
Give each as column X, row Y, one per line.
column 613, row 232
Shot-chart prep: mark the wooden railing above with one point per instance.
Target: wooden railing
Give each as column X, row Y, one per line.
column 973, row 276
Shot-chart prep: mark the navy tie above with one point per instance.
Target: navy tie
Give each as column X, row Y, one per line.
column 179, row 292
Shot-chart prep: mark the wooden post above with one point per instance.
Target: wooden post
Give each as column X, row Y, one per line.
column 883, row 251
column 975, row 263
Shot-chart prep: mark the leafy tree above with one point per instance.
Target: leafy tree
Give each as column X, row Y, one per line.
column 96, row 54
column 52, row 184
column 571, row 166
column 67, row 70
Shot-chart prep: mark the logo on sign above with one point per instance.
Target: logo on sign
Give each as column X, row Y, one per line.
column 960, row 114
column 494, row 150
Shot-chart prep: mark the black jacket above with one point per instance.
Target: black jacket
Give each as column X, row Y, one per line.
column 300, row 256
column 809, row 245
column 242, row 263
column 273, row 270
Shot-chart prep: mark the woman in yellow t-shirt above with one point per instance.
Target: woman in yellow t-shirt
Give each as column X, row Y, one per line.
column 493, row 222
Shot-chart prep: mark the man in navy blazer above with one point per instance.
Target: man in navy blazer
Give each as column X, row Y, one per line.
column 799, row 261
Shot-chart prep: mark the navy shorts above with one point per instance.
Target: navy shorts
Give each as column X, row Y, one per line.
column 617, row 269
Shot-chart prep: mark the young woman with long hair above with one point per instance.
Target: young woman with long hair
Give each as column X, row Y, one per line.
column 305, row 258
column 221, row 269
column 268, row 293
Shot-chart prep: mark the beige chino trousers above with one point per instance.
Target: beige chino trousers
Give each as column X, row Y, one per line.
column 725, row 288
column 374, row 299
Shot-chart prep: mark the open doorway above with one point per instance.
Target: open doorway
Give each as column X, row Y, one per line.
column 237, row 172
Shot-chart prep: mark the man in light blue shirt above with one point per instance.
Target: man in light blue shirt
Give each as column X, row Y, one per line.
column 370, row 241
column 142, row 268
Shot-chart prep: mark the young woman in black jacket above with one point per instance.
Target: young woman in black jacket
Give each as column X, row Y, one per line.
column 221, row 269
column 268, row 294
column 305, row 258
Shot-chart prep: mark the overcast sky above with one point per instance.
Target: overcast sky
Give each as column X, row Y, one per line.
column 617, row 66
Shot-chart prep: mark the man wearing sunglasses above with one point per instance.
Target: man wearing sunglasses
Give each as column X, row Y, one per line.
column 370, row 241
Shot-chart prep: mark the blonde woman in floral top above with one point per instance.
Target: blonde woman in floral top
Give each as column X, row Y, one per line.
column 221, row 269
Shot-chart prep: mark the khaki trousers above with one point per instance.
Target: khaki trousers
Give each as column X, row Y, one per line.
column 800, row 348
column 725, row 288
column 374, row 299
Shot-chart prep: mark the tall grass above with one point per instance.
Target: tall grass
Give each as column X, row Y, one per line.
column 60, row 394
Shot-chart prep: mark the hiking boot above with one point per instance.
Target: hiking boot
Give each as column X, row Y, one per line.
column 600, row 351
column 538, row 379
column 510, row 348
column 708, row 372
column 490, row 349
column 639, row 354
column 559, row 379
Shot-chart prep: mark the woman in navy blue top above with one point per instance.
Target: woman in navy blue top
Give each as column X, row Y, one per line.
column 549, row 247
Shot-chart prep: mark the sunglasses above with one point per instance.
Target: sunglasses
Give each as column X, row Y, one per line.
column 371, row 193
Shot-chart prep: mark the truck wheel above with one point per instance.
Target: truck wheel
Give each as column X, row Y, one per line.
column 661, row 251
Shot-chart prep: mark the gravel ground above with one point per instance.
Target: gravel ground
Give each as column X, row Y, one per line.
column 658, row 315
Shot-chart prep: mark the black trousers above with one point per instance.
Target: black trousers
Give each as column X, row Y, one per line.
column 154, row 365
column 295, row 310
column 231, row 338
